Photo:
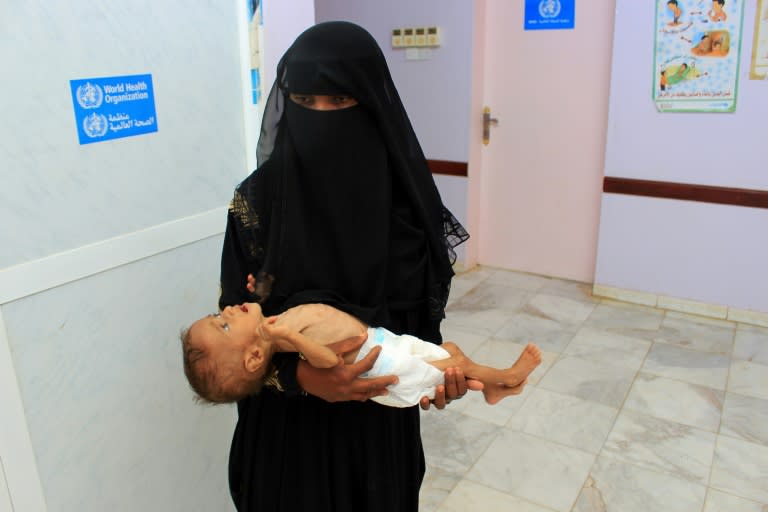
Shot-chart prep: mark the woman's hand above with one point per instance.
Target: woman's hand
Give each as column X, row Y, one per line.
column 454, row 388
column 342, row 383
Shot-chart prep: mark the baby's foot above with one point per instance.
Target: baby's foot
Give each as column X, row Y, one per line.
column 525, row 364
column 495, row 392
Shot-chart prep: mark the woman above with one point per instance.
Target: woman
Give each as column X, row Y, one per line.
column 342, row 210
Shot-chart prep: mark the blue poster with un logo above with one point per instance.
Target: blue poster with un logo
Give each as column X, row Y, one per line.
column 549, row 14
column 113, row 107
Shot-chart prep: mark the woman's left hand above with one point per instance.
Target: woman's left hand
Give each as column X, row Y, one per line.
column 454, row 388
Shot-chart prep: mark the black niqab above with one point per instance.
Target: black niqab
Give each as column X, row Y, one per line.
column 355, row 218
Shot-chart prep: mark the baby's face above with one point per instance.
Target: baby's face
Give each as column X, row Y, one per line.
column 234, row 326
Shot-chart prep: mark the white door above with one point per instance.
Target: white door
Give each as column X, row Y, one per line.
column 534, row 191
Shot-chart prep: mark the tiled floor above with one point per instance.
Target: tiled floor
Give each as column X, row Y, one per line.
column 633, row 409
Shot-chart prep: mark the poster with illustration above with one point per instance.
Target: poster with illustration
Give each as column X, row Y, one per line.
column 696, row 58
column 254, row 41
column 759, row 68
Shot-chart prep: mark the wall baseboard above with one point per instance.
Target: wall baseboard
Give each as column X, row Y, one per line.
column 42, row 274
column 717, row 311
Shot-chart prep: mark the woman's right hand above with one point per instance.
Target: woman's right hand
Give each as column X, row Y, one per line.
column 342, row 383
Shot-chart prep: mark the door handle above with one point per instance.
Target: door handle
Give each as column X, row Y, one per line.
column 487, row 122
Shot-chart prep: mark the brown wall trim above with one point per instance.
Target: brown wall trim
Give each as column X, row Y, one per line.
column 447, row 167
column 687, row 192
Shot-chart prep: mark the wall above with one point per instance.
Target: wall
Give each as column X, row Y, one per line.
column 435, row 92
column 109, row 248
column 703, row 252
column 283, row 21
column 5, row 498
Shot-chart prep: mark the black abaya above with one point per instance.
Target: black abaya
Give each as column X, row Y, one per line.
column 342, row 210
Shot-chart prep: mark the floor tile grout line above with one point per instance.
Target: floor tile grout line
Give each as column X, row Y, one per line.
column 615, row 420
column 722, row 410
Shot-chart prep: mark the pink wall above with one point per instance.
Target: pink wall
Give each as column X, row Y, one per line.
column 540, row 179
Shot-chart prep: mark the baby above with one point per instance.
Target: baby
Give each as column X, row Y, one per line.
column 227, row 356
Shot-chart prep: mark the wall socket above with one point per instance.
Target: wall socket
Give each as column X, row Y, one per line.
column 410, row 37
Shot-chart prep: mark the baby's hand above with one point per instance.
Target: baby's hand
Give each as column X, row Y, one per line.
column 251, row 284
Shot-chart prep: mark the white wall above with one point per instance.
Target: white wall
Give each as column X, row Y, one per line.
column 283, row 21
column 435, row 92
column 108, row 249
column 5, row 498
column 703, row 252
column 58, row 195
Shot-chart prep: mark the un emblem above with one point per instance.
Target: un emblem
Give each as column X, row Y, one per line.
column 549, row 8
column 89, row 95
column 95, row 125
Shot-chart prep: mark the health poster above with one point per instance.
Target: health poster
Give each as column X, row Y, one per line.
column 759, row 68
column 254, row 42
column 696, row 55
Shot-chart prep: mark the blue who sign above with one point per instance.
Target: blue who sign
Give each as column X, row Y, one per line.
column 549, row 14
column 113, row 107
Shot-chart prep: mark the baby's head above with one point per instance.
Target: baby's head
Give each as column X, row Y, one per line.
column 225, row 357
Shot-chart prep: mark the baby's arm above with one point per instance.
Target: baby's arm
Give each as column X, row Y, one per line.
column 318, row 355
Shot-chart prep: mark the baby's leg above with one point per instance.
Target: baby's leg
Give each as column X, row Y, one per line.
column 497, row 383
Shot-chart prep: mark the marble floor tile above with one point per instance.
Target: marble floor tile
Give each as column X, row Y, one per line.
column 493, row 296
column 437, row 485
column 454, row 441
column 486, row 308
column 598, row 382
column 746, row 418
column 610, row 349
column 718, row 501
column 656, row 411
column 697, row 332
column 751, row 344
column 621, row 487
column 548, row 320
column 661, row 445
column 563, row 310
column 548, row 334
column 564, row 419
column 571, row 289
column 625, row 318
column 539, row 471
column 467, row 339
column 474, row 404
column 471, row 496
column 520, row 280
column 681, row 402
column 458, row 290
column 487, row 321
column 741, row 468
column 694, row 366
column 475, row 275
column 749, row 379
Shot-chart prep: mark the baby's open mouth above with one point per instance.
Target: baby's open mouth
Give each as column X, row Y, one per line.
column 243, row 308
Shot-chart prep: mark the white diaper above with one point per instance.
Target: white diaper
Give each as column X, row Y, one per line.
column 405, row 356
